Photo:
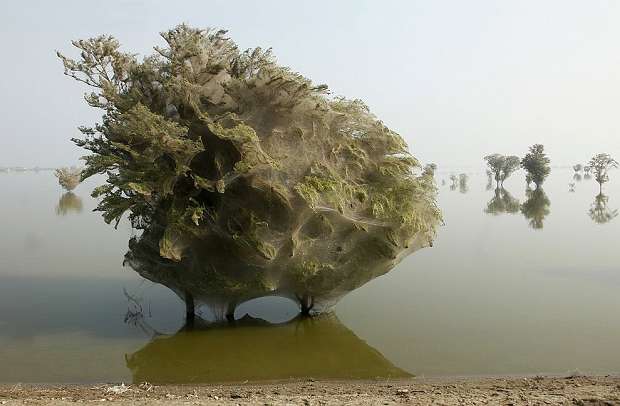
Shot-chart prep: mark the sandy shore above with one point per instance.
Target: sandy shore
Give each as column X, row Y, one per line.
column 465, row 391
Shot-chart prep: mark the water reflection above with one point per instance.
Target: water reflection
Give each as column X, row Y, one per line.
column 502, row 202
column 253, row 349
column 599, row 212
column 69, row 202
column 536, row 207
column 577, row 177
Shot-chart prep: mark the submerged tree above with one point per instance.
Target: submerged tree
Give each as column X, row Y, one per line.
column 430, row 169
column 536, row 207
column 68, row 178
column 502, row 166
column 489, row 180
column 463, row 178
column 536, row 164
column 599, row 212
column 227, row 156
column 502, row 202
column 601, row 164
column 455, row 182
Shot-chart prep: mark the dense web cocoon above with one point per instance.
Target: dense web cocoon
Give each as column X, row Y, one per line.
column 245, row 177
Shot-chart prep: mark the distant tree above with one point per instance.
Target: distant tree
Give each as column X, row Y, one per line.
column 430, row 169
column 455, row 181
column 463, row 178
column 571, row 187
column 577, row 177
column 489, row 180
column 599, row 212
column 586, row 173
column 502, row 166
column 536, row 164
column 68, row 178
column 577, row 167
column 536, row 207
column 601, row 164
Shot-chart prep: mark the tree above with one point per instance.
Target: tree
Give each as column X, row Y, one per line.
column 578, row 168
column 455, row 181
column 430, row 169
column 463, row 178
column 68, row 178
column 536, row 164
column 489, row 180
column 502, row 166
column 600, row 164
column 226, row 155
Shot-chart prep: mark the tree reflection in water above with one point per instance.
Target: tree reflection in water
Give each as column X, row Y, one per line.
column 252, row 349
column 69, row 202
column 502, row 202
column 536, row 207
column 599, row 212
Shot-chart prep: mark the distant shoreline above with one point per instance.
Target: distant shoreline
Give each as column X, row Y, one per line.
column 493, row 390
column 4, row 169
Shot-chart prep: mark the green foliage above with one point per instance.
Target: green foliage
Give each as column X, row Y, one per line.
column 536, row 164
column 502, row 166
column 205, row 145
column 600, row 164
column 68, row 178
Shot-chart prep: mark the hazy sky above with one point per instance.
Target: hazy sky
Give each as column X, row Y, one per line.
column 458, row 79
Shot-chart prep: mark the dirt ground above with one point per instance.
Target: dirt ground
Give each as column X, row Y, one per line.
column 453, row 391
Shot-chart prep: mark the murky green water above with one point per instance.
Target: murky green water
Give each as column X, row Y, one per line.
column 509, row 288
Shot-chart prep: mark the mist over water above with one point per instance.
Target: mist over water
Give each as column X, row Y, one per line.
column 519, row 285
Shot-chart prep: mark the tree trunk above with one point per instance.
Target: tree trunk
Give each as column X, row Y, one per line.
column 190, row 310
column 230, row 312
column 306, row 303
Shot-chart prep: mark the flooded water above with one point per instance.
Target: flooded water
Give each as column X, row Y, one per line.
column 517, row 283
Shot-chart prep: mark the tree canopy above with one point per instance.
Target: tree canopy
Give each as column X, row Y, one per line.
column 600, row 164
column 68, row 178
column 210, row 149
column 536, row 164
column 502, row 166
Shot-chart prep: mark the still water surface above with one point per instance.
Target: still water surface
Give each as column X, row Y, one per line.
column 510, row 287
